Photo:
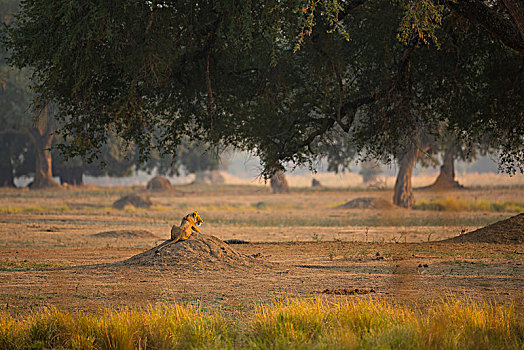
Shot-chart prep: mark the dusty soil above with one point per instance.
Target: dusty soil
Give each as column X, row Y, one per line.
column 506, row 231
column 125, row 234
column 300, row 246
column 199, row 251
column 134, row 199
column 367, row 203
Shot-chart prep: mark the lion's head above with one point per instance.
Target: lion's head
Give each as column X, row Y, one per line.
column 196, row 218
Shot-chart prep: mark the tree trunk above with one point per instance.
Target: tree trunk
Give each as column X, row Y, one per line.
column 210, row 177
column 43, row 166
column 370, row 171
column 279, row 183
column 6, row 175
column 72, row 176
column 516, row 10
column 6, row 168
column 448, row 165
column 446, row 177
column 403, row 196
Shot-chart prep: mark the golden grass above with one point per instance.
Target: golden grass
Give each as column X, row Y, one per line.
column 295, row 324
column 244, row 206
column 63, row 207
column 457, row 205
column 14, row 209
column 32, row 209
column 159, row 208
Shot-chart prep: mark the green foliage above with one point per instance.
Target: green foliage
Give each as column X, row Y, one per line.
column 24, row 265
column 13, row 209
column 422, row 18
column 330, row 9
column 230, row 73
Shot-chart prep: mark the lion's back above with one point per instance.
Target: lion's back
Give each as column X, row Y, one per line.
column 175, row 232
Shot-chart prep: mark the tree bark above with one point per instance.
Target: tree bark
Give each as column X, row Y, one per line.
column 72, row 176
column 507, row 30
column 448, row 165
column 6, row 175
column 516, row 10
column 446, row 177
column 210, row 177
column 279, row 183
column 403, row 195
column 43, row 165
column 6, row 168
column 369, row 171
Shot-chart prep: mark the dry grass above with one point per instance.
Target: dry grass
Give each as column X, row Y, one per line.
column 31, row 209
column 457, row 205
column 354, row 180
column 296, row 324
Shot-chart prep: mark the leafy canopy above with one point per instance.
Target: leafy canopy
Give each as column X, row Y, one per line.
column 279, row 78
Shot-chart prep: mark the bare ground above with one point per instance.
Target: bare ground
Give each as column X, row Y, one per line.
column 49, row 256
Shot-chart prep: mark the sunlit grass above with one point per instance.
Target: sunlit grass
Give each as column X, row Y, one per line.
column 159, row 208
column 32, row 209
column 260, row 205
column 132, row 208
column 456, row 205
column 180, row 327
column 28, row 209
column 25, row 265
column 448, row 324
column 296, row 324
column 63, row 207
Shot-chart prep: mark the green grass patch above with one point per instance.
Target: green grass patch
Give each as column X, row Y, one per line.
column 353, row 219
column 31, row 209
column 456, row 205
column 27, row 296
column 25, row 265
column 63, row 207
column 13, row 209
column 260, row 205
column 295, row 324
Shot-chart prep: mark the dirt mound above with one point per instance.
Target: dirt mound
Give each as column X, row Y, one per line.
column 124, row 234
column 443, row 183
column 506, row 231
column 367, row 203
column 346, row 291
column 159, row 184
column 199, row 251
column 236, row 241
column 136, row 200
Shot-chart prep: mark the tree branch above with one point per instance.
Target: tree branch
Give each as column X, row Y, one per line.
column 477, row 12
column 327, row 123
column 516, row 10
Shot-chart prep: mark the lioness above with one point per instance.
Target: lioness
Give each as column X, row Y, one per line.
column 189, row 224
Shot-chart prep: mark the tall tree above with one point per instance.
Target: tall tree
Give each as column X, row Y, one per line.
column 116, row 159
column 17, row 116
column 230, row 71
column 20, row 123
column 42, row 134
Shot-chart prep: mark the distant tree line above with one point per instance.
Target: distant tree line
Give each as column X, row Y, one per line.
column 290, row 81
